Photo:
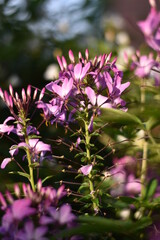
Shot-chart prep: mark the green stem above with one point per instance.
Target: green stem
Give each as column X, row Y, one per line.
column 87, row 146
column 30, row 170
column 29, row 159
column 145, row 147
column 143, row 98
column 144, row 168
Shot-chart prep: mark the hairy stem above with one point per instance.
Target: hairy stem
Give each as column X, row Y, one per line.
column 29, row 158
column 87, row 146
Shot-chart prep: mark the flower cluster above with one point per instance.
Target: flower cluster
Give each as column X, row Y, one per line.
column 37, row 215
column 151, row 27
column 123, row 177
column 20, row 126
column 143, row 65
column 146, row 66
column 88, row 84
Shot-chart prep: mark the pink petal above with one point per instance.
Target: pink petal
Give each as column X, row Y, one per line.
column 85, row 70
column 91, row 95
column 77, row 70
column 101, row 100
column 5, row 162
column 86, row 169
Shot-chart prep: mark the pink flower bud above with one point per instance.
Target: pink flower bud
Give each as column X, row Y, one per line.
column 152, row 3
column 108, row 58
column 9, row 197
column 102, row 61
column 60, row 63
column 29, row 91
column 71, row 56
column 35, row 94
column 87, row 54
column 1, row 94
column 80, row 55
column 42, row 93
column 3, row 201
column 17, row 190
column 6, row 97
column 11, row 90
column 10, row 102
column 39, row 185
column 95, row 61
column 64, row 62
column 23, row 95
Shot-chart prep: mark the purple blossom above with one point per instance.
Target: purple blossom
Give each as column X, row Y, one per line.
column 4, row 128
column 98, row 100
column 85, row 170
column 151, row 28
column 62, row 91
column 36, row 148
column 78, row 79
column 35, row 214
column 29, row 232
column 123, row 177
column 80, row 71
column 143, row 65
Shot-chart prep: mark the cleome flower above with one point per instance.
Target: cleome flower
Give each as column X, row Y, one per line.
column 35, row 215
column 86, row 83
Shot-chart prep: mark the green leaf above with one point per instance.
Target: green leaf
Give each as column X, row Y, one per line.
column 46, row 178
column 128, row 200
column 102, row 225
column 26, row 175
column 118, row 116
column 151, row 188
column 81, row 154
column 99, row 157
column 152, row 122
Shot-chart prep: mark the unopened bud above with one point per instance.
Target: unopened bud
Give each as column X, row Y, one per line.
column 41, row 94
column 39, row 185
column 60, row 63
column 35, row 94
column 108, row 57
column 152, row 3
column 9, row 197
column 64, row 62
column 87, row 54
column 23, row 96
column 102, row 60
column 11, row 90
column 17, row 190
column 71, row 56
column 29, row 91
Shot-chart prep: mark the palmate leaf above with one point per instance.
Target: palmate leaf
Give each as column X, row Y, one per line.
column 111, row 115
column 100, row 225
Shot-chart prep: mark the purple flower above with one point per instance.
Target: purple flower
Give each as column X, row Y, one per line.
column 151, row 29
column 22, row 218
column 80, row 71
column 133, row 185
column 5, row 162
column 30, row 232
column 78, row 79
column 4, row 128
column 63, row 216
column 85, row 170
column 37, row 149
column 152, row 21
column 143, row 65
column 98, row 100
column 62, row 91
